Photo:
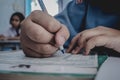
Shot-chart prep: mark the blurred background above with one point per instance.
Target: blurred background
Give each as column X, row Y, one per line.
column 7, row 7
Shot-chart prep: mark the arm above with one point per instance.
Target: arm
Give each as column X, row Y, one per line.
column 72, row 17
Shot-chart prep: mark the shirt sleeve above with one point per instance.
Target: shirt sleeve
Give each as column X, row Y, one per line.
column 78, row 17
column 72, row 17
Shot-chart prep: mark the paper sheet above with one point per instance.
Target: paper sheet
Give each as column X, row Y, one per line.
column 59, row 63
column 110, row 70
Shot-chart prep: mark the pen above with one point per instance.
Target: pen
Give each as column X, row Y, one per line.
column 42, row 6
column 61, row 48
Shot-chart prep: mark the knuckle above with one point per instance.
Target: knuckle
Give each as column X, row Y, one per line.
column 100, row 28
column 83, row 35
column 50, row 24
column 53, row 25
column 35, row 12
column 97, row 39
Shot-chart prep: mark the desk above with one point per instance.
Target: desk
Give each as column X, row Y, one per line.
column 9, row 44
column 8, row 58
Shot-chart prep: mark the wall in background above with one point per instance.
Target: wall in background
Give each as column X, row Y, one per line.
column 7, row 7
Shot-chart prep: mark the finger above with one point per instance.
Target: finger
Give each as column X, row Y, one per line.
column 87, row 34
column 38, row 47
column 83, row 37
column 95, row 41
column 73, row 43
column 79, row 48
column 31, row 53
column 76, row 50
column 35, row 32
column 62, row 35
column 45, row 20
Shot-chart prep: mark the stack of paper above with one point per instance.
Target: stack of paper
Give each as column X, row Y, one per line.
column 57, row 64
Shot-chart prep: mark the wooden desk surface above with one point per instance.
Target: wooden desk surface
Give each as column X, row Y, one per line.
column 9, row 41
column 9, row 44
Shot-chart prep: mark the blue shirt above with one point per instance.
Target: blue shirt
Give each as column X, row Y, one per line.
column 78, row 17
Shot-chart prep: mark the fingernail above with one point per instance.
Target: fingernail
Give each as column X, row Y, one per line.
column 74, row 51
column 86, row 52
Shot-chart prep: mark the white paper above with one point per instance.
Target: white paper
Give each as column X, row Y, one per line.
column 110, row 70
column 59, row 63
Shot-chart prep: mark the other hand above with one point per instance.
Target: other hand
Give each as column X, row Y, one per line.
column 99, row 36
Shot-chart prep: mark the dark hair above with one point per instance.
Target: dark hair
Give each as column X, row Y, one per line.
column 20, row 15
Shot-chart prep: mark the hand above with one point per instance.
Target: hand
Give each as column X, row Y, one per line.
column 41, row 35
column 99, row 36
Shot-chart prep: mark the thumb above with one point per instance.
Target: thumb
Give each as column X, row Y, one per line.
column 61, row 36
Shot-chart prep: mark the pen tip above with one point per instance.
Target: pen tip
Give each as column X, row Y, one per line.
column 62, row 51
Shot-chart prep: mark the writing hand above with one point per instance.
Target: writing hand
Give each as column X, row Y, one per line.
column 41, row 35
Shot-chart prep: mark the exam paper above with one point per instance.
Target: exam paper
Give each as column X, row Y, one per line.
column 56, row 59
column 58, row 63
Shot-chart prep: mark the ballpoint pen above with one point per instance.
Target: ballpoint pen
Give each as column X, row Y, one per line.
column 61, row 48
column 42, row 6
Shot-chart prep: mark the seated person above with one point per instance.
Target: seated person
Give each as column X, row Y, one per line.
column 61, row 29
column 14, row 31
